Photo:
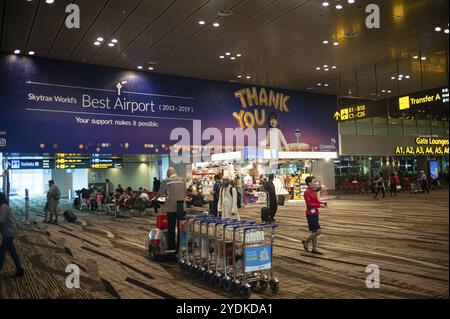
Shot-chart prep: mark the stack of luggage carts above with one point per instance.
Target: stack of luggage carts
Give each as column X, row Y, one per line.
column 232, row 255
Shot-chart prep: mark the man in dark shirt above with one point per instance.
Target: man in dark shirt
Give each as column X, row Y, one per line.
column 269, row 187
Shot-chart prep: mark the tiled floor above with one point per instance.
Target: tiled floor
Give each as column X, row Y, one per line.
column 407, row 237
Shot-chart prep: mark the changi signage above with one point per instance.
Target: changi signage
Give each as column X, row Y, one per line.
column 30, row 164
column 51, row 106
column 430, row 98
column 425, row 146
column 361, row 111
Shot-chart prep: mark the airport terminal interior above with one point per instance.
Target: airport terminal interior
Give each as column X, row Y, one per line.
column 185, row 149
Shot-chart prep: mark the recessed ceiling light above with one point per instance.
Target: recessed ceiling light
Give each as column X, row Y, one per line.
column 233, row 58
column 222, row 57
column 423, row 58
column 326, row 70
column 339, row 6
column 325, row 65
column 325, row 41
column 333, row 67
column 49, row 1
column 110, row 44
column 16, row 51
column 151, row 68
column 319, row 84
column 446, row 31
column 31, row 53
column 407, row 76
column 392, row 77
column 325, row 4
column 335, row 43
column 415, row 57
column 139, row 67
column 400, row 75
column 216, row 25
column 438, row 29
column 400, row 79
column 318, row 68
column 96, row 43
column 248, row 77
column 389, row 91
column 239, row 76
column 351, row 1
column 238, row 55
column 114, row 41
column 326, row 84
column 228, row 53
column 383, row 91
column 100, row 39
column 201, row 22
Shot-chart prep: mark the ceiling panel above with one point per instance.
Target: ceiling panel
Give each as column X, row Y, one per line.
column 280, row 40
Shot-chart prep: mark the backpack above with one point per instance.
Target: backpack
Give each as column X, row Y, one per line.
column 239, row 197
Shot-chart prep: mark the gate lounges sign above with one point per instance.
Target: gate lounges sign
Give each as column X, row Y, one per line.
column 51, row 106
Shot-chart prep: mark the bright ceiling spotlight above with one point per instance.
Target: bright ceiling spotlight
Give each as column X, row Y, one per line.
column 139, row 67
column 16, row 51
column 201, row 22
column 318, row 68
column 339, row 6
column 49, row 1
column 239, row 76
column 151, row 68
column 392, row 77
column 446, row 31
column 111, row 44
column 100, row 39
column 326, row 84
column 31, row 53
column 319, row 84
column 415, row 57
column 351, row 1
column 216, row 25
column 423, row 58
column 335, row 43
column 325, row 41
column 325, row 4
column 96, row 43
column 326, row 70
column 221, row 57
column 438, row 29
column 333, row 67
column 248, row 77
column 238, row 55
column 228, row 53
column 114, row 41
column 233, row 58
column 407, row 76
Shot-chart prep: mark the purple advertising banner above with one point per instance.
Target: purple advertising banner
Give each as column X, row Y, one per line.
column 50, row 106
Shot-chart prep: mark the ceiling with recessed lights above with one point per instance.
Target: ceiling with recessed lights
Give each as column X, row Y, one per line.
column 293, row 44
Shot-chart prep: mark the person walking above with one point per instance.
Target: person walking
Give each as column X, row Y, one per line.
column 228, row 197
column 174, row 189
column 156, row 184
column 312, row 213
column 53, row 196
column 9, row 232
column 423, row 181
column 269, row 187
column 215, row 193
column 379, row 184
column 109, row 188
column 394, row 182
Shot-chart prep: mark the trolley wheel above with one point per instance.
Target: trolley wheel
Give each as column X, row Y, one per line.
column 181, row 263
column 217, row 280
column 226, row 283
column 235, row 285
column 208, row 275
column 263, row 284
column 188, row 268
column 245, row 291
column 274, row 285
column 253, row 284
column 194, row 270
column 211, row 278
column 152, row 253
column 202, row 274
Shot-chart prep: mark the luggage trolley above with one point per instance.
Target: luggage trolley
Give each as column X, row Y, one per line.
column 186, row 248
column 257, row 256
column 224, row 252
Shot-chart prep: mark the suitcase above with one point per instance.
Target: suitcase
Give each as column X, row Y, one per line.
column 280, row 200
column 70, row 216
column 265, row 215
column 161, row 221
